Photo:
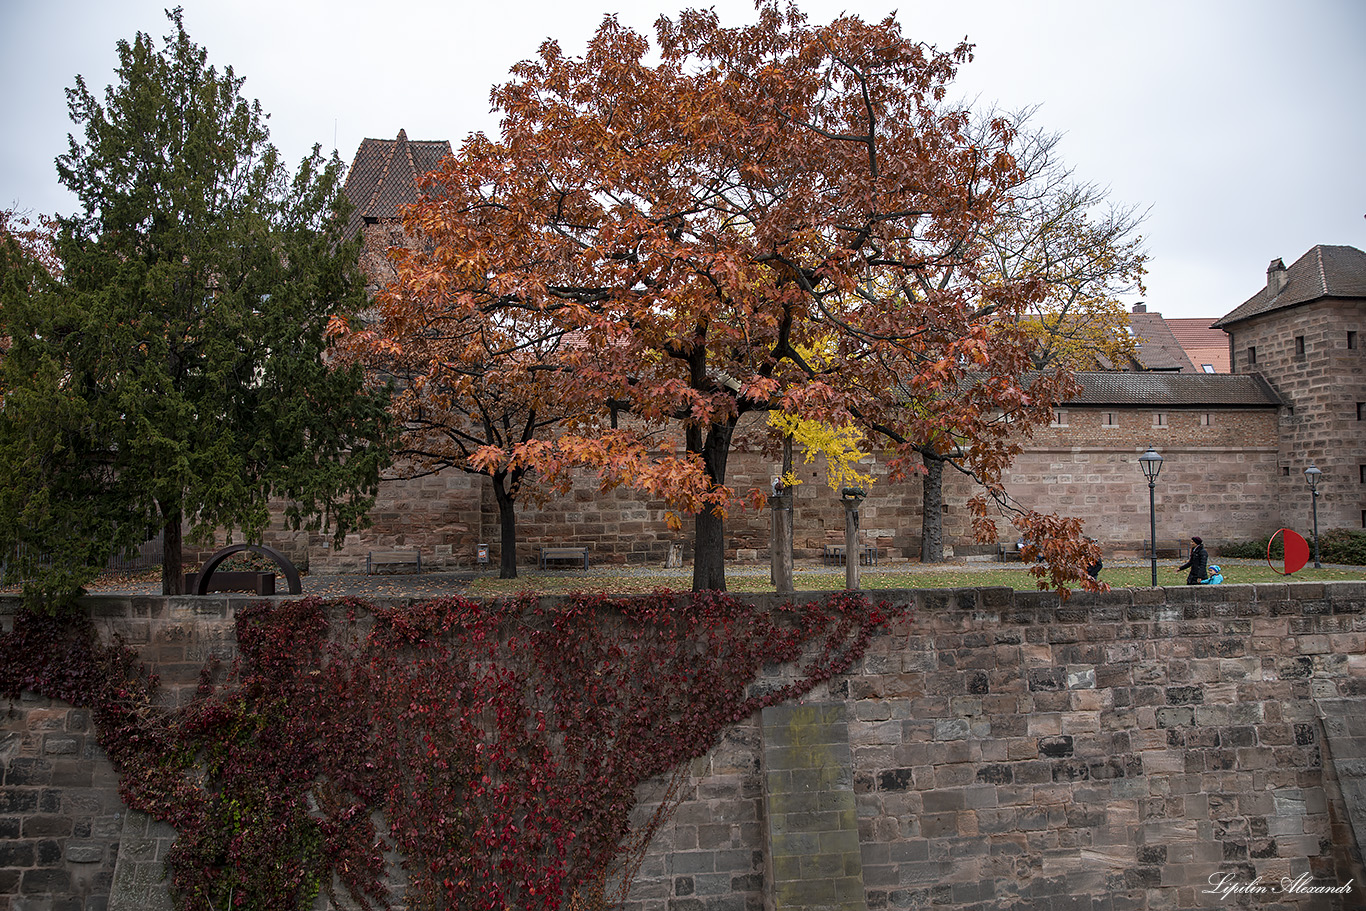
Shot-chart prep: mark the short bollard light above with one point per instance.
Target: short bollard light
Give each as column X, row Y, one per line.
column 851, row 497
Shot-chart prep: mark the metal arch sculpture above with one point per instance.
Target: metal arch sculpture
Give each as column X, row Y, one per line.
column 201, row 585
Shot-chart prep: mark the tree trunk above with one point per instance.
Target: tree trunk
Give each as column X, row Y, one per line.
column 932, row 512
column 709, row 537
column 172, row 553
column 851, row 543
column 507, row 526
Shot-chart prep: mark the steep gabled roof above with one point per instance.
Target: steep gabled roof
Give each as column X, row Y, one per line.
column 1325, row 271
column 384, row 175
column 1174, row 390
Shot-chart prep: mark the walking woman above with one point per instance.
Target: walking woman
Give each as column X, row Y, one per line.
column 1197, row 564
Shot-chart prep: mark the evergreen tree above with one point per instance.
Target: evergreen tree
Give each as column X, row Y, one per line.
column 176, row 372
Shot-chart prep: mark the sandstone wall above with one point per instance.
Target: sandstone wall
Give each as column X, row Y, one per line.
column 1218, row 479
column 997, row 750
column 1010, row 752
column 1325, row 385
column 1221, row 479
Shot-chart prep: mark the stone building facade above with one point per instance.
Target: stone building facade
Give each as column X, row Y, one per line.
column 1305, row 334
column 1218, row 436
column 1218, row 439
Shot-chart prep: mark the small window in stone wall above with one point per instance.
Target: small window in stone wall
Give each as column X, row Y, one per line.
column 1361, row 411
column 1252, row 357
column 1285, row 471
column 1160, row 419
column 1299, row 346
column 1059, row 417
column 1363, row 474
column 1351, row 339
column 1206, row 420
column 1109, row 419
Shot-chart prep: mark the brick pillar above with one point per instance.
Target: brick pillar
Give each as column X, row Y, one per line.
column 812, row 844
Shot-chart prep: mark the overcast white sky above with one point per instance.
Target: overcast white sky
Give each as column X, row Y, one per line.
column 1241, row 123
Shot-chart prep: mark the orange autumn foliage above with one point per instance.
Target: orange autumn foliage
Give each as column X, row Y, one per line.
column 690, row 222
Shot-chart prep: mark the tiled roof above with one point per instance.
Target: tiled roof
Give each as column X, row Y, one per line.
column 384, row 175
column 1158, row 348
column 1325, row 271
column 1197, row 332
column 1175, row 390
column 1203, row 343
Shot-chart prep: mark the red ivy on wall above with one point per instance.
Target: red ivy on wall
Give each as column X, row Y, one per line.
column 496, row 746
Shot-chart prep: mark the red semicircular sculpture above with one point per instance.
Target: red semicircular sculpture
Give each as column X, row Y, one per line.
column 1296, row 551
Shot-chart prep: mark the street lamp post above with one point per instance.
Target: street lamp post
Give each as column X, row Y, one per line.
column 1312, row 475
column 1151, row 463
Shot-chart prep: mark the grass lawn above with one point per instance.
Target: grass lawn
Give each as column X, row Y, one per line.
column 748, row 578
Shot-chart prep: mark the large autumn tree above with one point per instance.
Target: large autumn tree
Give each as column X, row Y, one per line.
column 777, row 216
column 176, row 372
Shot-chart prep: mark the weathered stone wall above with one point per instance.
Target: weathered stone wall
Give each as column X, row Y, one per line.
column 447, row 515
column 60, row 815
column 1220, row 479
column 1325, row 386
column 440, row 514
column 63, row 827
column 999, row 750
column 1012, row 752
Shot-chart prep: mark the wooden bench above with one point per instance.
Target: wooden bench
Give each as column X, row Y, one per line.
column 1165, row 549
column 834, row 554
column 377, row 558
column 1009, row 552
column 561, row 554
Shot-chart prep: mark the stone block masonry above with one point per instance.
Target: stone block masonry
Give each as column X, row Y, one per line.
column 1011, row 751
column 1221, row 480
column 60, row 814
column 813, row 855
column 998, row 751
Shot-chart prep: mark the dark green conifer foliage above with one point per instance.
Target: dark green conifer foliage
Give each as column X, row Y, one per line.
column 176, row 372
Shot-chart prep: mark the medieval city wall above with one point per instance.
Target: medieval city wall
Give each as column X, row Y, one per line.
column 1220, row 479
column 993, row 750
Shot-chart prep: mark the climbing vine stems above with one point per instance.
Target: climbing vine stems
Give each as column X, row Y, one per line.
column 493, row 750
